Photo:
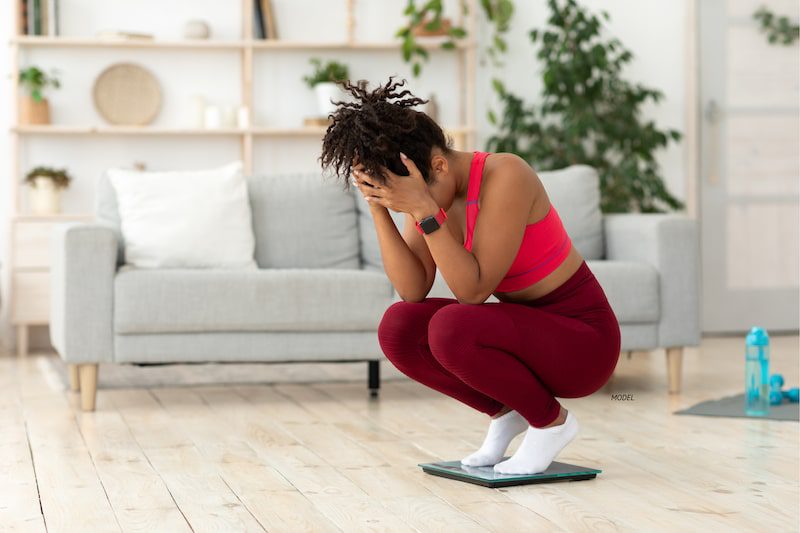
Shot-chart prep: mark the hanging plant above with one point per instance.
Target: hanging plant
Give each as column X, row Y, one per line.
column 778, row 29
column 428, row 16
column 588, row 114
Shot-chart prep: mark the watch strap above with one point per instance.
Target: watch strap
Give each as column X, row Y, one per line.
column 440, row 217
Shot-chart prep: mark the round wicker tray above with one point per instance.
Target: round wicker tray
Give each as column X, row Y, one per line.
column 127, row 94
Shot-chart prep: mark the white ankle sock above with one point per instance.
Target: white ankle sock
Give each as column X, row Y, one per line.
column 539, row 448
column 502, row 431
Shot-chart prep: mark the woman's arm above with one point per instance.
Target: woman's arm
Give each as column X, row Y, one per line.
column 472, row 276
column 499, row 228
column 406, row 259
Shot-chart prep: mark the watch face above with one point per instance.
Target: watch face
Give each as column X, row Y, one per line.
column 429, row 224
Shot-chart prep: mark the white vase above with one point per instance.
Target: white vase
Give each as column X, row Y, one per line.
column 45, row 197
column 327, row 91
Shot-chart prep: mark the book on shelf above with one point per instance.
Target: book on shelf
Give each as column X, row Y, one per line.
column 269, row 14
column 22, row 29
column 259, row 30
column 39, row 17
column 263, row 20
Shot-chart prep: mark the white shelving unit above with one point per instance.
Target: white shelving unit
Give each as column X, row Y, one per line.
column 29, row 256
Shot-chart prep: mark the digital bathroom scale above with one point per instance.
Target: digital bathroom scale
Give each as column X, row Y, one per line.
column 487, row 477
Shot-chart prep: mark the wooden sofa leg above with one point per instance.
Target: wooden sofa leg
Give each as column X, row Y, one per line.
column 674, row 363
column 87, row 375
column 74, row 381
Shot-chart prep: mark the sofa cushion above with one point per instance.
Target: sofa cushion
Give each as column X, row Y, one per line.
column 185, row 218
column 302, row 220
column 631, row 289
column 183, row 300
column 575, row 192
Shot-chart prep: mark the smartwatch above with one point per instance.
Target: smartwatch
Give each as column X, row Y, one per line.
column 431, row 223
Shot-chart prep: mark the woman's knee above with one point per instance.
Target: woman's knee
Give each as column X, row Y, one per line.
column 401, row 329
column 452, row 330
column 400, row 317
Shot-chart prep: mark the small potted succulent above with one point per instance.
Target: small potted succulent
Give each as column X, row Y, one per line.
column 46, row 184
column 34, row 107
column 323, row 81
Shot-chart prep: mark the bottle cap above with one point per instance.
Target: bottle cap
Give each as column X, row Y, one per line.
column 757, row 337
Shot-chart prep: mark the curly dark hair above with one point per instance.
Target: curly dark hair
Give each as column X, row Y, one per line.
column 376, row 127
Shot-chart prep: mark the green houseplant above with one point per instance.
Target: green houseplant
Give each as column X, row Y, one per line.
column 34, row 107
column 779, row 30
column 588, row 114
column 46, row 184
column 323, row 80
column 428, row 16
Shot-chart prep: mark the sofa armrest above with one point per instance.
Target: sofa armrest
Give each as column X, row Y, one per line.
column 668, row 242
column 84, row 262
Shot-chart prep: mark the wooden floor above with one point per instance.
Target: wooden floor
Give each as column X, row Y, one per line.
column 324, row 457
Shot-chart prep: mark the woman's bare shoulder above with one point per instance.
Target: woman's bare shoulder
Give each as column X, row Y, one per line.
column 512, row 167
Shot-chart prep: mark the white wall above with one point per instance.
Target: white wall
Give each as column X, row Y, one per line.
column 653, row 29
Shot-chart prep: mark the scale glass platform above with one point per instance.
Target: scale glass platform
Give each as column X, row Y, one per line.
column 487, row 477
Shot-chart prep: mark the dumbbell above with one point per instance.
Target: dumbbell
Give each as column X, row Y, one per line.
column 776, row 394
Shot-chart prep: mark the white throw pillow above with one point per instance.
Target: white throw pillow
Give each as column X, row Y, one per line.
column 185, row 219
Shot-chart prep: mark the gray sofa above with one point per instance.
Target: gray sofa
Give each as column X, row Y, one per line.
column 320, row 289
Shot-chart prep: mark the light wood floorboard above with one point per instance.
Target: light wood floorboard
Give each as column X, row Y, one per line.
column 317, row 454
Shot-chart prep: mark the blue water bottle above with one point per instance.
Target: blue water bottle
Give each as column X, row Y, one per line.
column 756, row 373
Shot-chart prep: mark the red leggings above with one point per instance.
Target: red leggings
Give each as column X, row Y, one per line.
column 521, row 355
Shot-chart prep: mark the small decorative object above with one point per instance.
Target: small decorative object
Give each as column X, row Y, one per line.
column 34, row 107
column 46, row 184
column 196, row 29
column 432, row 108
column 127, row 94
column 198, row 110
column 430, row 28
column 229, row 116
column 213, row 117
column 243, row 117
column 118, row 35
column 323, row 81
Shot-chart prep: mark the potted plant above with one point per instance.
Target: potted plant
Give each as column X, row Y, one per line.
column 46, row 184
column 588, row 113
column 34, row 107
column 324, row 82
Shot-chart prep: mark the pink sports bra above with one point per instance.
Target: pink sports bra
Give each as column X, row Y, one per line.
column 544, row 247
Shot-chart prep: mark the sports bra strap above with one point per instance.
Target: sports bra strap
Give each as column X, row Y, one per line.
column 475, row 175
column 473, row 190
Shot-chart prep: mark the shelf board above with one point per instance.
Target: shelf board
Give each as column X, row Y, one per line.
column 94, row 42
column 28, row 217
column 430, row 43
column 433, row 43
column 50, row 129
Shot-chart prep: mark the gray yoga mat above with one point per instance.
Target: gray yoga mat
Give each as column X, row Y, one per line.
column 733, row 406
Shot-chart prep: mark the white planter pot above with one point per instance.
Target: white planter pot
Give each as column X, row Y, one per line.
column 45, row 197
column 326, row 92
